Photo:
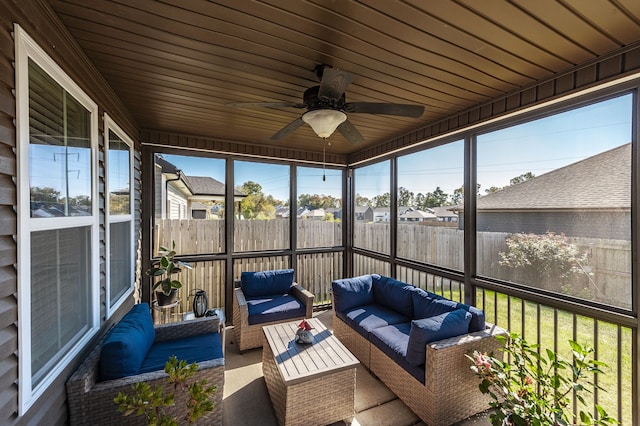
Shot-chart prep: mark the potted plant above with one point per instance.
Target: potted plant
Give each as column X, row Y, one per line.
column 529, row 388
column 163, row 272
column 154, row 404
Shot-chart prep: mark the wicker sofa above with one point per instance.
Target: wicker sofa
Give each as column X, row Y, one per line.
column 122, row 358
column 415, row 342
column 265, row 298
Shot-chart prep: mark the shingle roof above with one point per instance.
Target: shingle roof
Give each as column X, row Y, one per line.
column 204, row 185
column 599, row 182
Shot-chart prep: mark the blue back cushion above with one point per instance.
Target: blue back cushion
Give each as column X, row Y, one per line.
column 427, row 330
column 266, row 283
column 351, row 292
column 394, row 294
column 426, row 306
column 127, row 344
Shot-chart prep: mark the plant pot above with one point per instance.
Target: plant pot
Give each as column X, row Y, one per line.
column 164, row 299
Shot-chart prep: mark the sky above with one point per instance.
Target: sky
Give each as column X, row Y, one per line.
column 538, row 146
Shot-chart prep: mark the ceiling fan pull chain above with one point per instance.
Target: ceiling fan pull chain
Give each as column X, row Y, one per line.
column 324, row 145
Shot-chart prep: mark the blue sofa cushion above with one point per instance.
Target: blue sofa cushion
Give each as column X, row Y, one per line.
column 425, row 307
column 421, row 298
column 393, row 340
column 265, row 283
column 198, row 348
column 127, row 344
column 427, row 330
column 352, row 292
column 364, row 319
column 394, row 295
column 274, row 308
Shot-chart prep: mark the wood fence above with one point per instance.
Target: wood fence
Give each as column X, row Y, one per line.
column 608, row 280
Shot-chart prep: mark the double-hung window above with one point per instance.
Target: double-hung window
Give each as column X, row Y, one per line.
column 120, row 268
column 58, row 239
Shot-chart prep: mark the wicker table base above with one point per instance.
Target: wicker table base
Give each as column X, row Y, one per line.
column 308, row 384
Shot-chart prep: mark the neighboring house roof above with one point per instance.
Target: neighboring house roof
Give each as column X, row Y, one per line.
column 313, row 213
column 361, row 209
column 203, row 185
column 417, row 214
column 443, row 211
column 198, row 206
column 602, row 181
column 197, row 185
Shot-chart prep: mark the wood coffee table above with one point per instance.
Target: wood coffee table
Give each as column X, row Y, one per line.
column 310, row 384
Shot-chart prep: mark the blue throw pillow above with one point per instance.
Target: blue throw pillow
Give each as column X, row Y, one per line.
column 427, row 330
column 127, row 344
column 394, row 294
column 426, row 306
column 352, row 292
column 266, row 283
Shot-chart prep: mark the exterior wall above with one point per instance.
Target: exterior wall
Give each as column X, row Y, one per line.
column 177, row 203
column 608, row 225
column 37, row 19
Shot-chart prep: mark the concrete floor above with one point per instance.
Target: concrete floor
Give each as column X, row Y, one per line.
column 246, row 401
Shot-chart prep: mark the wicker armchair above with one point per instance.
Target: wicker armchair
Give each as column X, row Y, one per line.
column 250, row 336
column 91, row 401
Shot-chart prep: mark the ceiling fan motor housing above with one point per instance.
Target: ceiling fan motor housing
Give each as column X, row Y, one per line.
column 312, row 101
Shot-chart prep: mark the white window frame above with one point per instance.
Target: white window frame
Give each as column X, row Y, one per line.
column 26, row 48
column 110, row 125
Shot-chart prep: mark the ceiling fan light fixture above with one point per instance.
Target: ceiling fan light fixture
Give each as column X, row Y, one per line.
column 324, row 121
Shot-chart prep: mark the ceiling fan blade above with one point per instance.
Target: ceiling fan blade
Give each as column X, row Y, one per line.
column 333, row 83
column 287, row 129
column 350, row 133
column 265, row 105
column 404, row 110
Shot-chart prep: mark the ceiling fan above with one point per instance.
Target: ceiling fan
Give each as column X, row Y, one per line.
column 327, row 108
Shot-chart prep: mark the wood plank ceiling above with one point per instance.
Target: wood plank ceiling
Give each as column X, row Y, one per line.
column 177, row 63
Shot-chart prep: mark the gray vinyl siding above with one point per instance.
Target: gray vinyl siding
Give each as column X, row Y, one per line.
column 588, row 224
column 44, row 27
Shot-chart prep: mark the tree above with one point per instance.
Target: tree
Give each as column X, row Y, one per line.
column 382, row 200
column 317, row 201
column 458, row 196
column 437, row 198
column 255, row 205
column 44, row 194
column 362, row 201
column 522, row 178
column 405, row 197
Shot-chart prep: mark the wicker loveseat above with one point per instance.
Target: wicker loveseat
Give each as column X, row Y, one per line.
column 265, row 298
column 135, row 351
column 415, row 342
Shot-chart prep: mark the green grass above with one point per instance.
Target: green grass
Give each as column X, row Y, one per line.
column 553, row 328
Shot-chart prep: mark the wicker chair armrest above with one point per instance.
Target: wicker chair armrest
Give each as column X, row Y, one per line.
column 194, row 327
column 447, row 350
column 305, row 296
column 240, row 308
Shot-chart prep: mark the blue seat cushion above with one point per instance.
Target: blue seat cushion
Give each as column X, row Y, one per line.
column 393, row 340
column 429, row 307
column 427, row 330
column 394, row 295
column 127, row 344
column 351, row 292
column 274, row 308
column 198, row 348
column 264, row 283
column 364, row 319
